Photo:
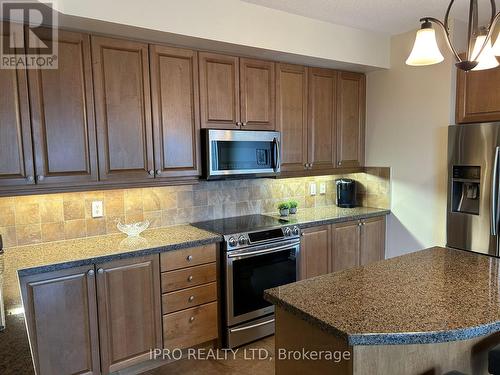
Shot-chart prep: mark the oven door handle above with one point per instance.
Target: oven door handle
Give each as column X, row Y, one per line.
column 276, row 152
column 232, row 330
column 264, row 251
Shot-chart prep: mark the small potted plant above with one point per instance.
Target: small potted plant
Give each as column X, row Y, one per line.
column 284, row 208
column 293, row 207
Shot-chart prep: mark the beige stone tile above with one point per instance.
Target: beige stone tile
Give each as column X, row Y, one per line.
column 28, row 213
column 184, row 215
column 28, row 234
column 7, row 215
column 168, row 198
column 111, row 222
column 51, row 211
column 75, row 229
column 200, row 198
column 134, row 217
column 168, row 217
column 184, row 199
column 154, row 218
column 53, row 232
column 133, row 201
column 151, row 200
column 96, row 227
column 7, row 201
column 114, row 203
column 74, row 209
column 9, row 237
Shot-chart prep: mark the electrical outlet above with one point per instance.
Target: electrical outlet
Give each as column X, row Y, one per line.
column 322, row 188
column 97, row 209
column 312, row 188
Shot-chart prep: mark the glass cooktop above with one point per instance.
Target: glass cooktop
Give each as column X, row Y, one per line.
column 240, row 224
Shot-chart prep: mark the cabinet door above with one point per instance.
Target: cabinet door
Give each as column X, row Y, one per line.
column 372, row 240
column 219, row 91
column 16, row 167
column 62, row 106
column 351, row 95
column 128, row 295
column 315, row 251
column 478, row 97
column 61, row 316
column 174, row 88
column 345, row 245
column 123, row 110
column 322, row 118
column 291, row 119
column 257, row 84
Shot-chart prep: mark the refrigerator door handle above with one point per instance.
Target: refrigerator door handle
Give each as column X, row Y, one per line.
column 494, row 195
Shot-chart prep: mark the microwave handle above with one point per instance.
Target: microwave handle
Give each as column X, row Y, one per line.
column 276, row 153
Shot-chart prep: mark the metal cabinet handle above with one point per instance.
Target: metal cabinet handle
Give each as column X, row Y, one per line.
column 30, row 178
column 238, row 123
column 158, row 172
column 151, row 172
column 189, row 258
column 40, row 177
column 91, row 273
column 190, row 278
column 191, row 298
column 191, row 319
column 244, row 124
column 100, row 271
column 339, row 163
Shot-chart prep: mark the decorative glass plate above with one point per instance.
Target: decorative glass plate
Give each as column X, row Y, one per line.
column 133, row 230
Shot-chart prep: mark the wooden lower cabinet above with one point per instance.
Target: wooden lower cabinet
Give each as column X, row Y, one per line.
column 61, row 316
column 315, row 251
column 129, row 311
column 332, row 248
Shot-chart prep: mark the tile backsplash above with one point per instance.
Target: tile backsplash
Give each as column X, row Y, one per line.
column 44, row 218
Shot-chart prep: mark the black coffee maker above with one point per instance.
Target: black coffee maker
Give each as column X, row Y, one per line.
column 346, row 193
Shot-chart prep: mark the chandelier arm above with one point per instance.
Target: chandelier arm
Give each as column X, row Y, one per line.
column 471, row 29
column 446, row 34
column 447, row 15
column 491, row 30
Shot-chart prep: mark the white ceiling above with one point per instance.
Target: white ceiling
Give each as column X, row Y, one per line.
column 386, row 16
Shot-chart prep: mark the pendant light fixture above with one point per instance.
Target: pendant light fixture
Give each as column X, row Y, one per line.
column 482, row 46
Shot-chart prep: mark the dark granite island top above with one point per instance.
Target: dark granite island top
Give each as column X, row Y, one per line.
column 430, row 296
column 15, row 356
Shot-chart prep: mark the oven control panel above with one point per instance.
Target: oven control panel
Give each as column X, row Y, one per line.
column 240, row 240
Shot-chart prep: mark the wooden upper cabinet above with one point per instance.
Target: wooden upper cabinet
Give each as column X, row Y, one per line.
column 315, row 251
column 372, row 240
column 351, row 94
column 291, row 119
column 129, row 299
column 62, row 112
column 478, row 96
column 322, row 110
column 219, row 91
column 16, row 156
column 61, row 316
column 345, row 245
column 176, row 117
column 257, row 88
column 123, row 109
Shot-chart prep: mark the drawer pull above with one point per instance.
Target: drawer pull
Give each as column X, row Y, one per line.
column 191, row 319
column 190, row 278
column 191, row 298
column 189, row 258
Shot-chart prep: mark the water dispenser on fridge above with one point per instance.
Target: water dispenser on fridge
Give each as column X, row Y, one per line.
column 466, row 187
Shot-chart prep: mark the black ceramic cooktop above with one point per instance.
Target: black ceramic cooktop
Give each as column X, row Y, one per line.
column 240, row 224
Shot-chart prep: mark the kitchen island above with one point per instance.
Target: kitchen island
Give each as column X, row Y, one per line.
column 431, row 311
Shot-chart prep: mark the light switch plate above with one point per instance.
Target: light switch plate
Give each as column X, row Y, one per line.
column 97, row 209
column 312, row 188
column 322, row 188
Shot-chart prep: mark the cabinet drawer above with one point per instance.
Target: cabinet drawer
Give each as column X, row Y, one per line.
column 191, row 327
column 188, row 277
column 190, row 297
column 193, row 256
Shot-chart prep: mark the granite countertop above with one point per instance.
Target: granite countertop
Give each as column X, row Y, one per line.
column 15, row 356
column 310, row 217
column 430, row 296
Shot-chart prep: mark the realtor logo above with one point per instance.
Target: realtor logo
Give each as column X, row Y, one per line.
column 29, row 35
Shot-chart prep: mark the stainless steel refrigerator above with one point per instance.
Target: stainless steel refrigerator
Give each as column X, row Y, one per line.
column 473, row 191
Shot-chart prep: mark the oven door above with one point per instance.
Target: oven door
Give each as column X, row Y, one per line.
column 240, row 152
column 251, row 271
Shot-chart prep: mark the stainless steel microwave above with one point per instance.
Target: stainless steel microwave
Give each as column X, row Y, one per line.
column 240, row 153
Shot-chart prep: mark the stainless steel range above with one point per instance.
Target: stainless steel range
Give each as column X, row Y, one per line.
column 259, row 252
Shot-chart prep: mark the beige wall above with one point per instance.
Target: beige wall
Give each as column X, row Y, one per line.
column 241, row 23
column 45, row 218
column 408, row 111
